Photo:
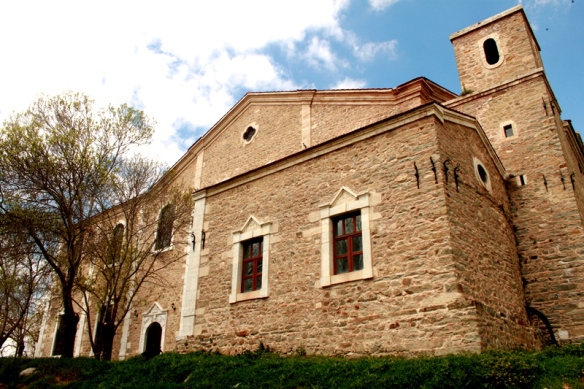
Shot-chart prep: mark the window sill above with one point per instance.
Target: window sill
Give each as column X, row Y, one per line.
column 347, row 277
column 162, row 250
column 256, row 294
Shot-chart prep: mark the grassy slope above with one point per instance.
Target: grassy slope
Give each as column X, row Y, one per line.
column 553, row 368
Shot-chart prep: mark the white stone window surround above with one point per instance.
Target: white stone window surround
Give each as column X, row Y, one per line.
column 481, row 42
column 502, row 130
column 45, row 318
column 521, row 180
column 487, row 183
column 344, row 201
column 154, row 314
column 254, row 136
column 251, row 229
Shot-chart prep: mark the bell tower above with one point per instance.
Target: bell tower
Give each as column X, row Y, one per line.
column 505, row 88
column 496, row 50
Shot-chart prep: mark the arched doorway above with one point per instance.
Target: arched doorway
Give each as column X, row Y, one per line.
column 153, row 337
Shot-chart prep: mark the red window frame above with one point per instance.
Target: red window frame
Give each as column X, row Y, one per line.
column 347, row 243
column 252, row 265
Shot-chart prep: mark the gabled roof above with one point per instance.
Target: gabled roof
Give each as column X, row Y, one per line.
column 421, row 88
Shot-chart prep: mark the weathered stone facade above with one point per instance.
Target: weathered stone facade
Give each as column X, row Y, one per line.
column 470, row 208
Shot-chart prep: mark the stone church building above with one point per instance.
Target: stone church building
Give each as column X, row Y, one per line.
column 403, row 220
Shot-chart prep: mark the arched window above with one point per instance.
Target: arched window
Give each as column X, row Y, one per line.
column 115, row 247
column 491, row 51
column 164, row 231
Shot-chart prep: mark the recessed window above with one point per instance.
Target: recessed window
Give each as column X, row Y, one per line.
column 249, row 134
column 522, row 180
column 251, row 261
column 346, row 238
column 491, row 51
column 252, row 264
column 115, row 246
column 164, row 230
column 482, row 174
column 508, row 130
column 348, row 243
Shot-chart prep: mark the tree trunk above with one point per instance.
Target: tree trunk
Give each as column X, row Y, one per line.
column 19, row 349
column 65, row 338
column 107, row 342
column 65, row 342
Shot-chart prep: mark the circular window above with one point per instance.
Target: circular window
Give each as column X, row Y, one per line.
column 249, row 134
column 482, row 174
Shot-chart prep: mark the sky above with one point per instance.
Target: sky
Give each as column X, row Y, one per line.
column 186, row 63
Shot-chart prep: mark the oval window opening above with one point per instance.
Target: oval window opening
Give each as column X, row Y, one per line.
column 249, row 133
column 482, row 173
column 491, row 51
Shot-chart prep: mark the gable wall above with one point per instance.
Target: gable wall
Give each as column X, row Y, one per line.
column 278, row 135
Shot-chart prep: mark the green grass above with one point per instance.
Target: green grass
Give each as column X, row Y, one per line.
column 552, row 368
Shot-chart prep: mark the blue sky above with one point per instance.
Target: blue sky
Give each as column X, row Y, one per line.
column 185, row 63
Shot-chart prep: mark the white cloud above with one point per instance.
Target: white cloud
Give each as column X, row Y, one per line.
column 349, row 83
column 551, row 2
column 184, row 62
column 380, row 5
column 369, row 50
column 320, row 55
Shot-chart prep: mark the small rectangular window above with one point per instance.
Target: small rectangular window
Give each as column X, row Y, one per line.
column 508, row 130
column 522, row 180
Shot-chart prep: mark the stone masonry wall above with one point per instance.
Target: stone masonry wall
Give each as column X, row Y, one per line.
column 545, row 211
column 166, row 293
column 413, row 304
column 329, row 121
column 483, row 242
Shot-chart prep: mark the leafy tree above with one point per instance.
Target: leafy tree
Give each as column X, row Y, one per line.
column 57, row 162
column 126, row 249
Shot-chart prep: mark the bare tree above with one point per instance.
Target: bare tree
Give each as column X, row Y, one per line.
column 129, row 247
column 23, row 281
column 57, row 161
